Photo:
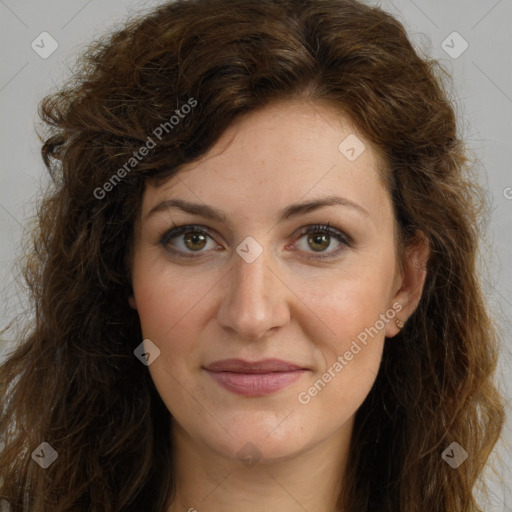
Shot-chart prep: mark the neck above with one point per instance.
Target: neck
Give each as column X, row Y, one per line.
column 311, row 480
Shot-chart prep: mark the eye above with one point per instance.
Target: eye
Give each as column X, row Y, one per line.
column 184, row 241
column 193, row 240
column 319, row 238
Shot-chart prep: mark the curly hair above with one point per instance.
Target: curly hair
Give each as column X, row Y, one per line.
column 73, row 380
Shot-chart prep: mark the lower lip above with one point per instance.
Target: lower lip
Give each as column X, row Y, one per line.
column 255, row 384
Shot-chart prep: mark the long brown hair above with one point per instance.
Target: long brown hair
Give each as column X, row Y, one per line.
column 74, row 381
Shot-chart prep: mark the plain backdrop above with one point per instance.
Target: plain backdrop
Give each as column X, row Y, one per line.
column 472, row 39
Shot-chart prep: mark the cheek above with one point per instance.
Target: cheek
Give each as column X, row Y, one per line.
column 348, row 330
column 172, row 311
column 348, row 359
column 166, row 297
column 355, row 334
column 347, row 305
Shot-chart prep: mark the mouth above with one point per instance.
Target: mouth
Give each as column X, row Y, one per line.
column 254, row 378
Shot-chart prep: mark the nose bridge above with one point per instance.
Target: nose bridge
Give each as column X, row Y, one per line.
column 253, row 301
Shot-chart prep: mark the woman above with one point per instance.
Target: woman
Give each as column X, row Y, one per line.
column 255, row 276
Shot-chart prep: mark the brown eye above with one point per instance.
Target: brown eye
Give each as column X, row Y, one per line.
column 319, row 238
column 319, row 242
column 183, row 241
column 194, row 241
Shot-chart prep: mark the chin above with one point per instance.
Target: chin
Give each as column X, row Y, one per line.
column 262, row 438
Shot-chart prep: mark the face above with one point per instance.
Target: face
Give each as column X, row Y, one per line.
column 270, row 324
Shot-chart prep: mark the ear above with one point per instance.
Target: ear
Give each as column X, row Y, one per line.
column 409, row 283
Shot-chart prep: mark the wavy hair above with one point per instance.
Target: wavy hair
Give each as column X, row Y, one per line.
column 73, row 380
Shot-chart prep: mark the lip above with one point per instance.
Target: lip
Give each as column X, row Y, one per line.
column 254, row 378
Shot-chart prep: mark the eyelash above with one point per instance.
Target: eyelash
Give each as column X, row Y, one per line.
column 322, row 229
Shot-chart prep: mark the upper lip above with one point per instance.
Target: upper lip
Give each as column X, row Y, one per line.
column 243, row 366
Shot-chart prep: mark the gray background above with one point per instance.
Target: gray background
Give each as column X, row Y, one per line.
column 482, row 94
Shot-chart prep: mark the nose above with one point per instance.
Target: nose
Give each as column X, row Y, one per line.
column 255, row 300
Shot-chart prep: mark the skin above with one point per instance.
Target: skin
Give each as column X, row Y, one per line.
column 286, row 304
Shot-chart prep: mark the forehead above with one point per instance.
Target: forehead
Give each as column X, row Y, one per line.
column 279, row 155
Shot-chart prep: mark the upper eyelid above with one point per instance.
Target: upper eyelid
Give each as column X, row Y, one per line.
column 208, row 230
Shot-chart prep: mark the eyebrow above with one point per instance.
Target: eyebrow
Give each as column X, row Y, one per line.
column 289, row 212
